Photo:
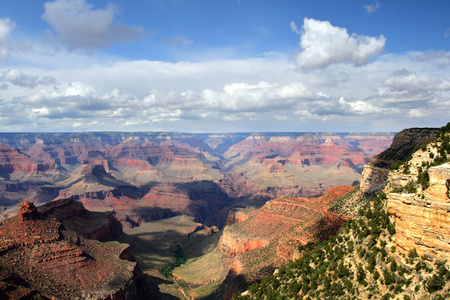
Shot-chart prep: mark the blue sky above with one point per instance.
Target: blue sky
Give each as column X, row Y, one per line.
column 220, row 66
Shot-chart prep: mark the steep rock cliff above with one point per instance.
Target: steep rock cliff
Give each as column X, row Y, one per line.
column 418, row 197
column 376, row 172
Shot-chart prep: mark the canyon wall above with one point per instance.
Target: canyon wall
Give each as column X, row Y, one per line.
column 151, row 175
column 422, row 207
column 417, row 189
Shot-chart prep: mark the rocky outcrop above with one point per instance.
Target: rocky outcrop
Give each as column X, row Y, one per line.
column 373, row 179
column 41, row 256
column 422, row 220
column 376, row 172
column 239, row 214
column 101, row 226
column 278, row 227
column 27, row 211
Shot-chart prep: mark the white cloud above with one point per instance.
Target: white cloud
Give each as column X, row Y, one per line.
column 324, row 44
column 295, row 28
column 79, row 26
column 6, row 26
column 417, row 83
column 418, row 113
column 372, row 8
column 265, row 94
column 16, row 77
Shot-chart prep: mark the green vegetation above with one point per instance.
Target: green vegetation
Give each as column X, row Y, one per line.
column 397, row 165
column 180, row 259
column 410, row 188
column 359, row 262
column 442, row 143
column 439, row 279
column 439, row 153
column 423, row 178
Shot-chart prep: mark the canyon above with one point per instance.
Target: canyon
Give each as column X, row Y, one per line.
column 239, row 202
column 144, row 177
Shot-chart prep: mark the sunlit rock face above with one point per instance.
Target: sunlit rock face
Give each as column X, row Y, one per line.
column 376, row 172
column 277, row 228
column 422, row 221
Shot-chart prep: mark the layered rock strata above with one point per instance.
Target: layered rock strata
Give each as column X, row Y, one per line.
column 41, row 256
column 101, row 226
column 422, row 221
column 277, row 228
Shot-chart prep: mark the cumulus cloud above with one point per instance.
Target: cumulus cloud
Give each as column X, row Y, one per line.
column 264, row 94
column 324, row 44
column 6, row 26
column 418, row 113
column 79, row 26
column 16, row 77
column 372, row 8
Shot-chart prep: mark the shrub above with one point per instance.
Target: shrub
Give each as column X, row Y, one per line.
column 376, row 275
column 438, row 280
column 413, row 253
column 389, row 278
column 406, row 169
column 397, row 165
column 423, row 178
column 393, row 266
column 435, row 283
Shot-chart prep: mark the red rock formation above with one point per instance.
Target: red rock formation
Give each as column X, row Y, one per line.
column 19, row 167
column 282, row 224
column 55, row 262
column 134, row 163
column 101, row 226
column 239, row 214
column 27, row 210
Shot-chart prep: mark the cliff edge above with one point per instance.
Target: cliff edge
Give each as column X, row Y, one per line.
column 375, row 173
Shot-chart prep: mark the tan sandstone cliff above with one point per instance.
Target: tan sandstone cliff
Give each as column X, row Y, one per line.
column 422, row 221
column 376, row 172
column 422, row 207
